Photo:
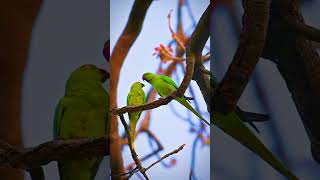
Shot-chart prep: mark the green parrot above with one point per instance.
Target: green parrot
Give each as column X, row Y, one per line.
column 82, row 112
column 164, row 85
column 233, row 125
column 135, row 97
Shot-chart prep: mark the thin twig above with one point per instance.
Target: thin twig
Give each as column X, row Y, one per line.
column 156, row 162
column 160, row 148
column 133, row 152
column 166, row 156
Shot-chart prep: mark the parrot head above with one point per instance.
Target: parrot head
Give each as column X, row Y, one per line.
column 89, row 72
column 137, row 85
column 148, row 76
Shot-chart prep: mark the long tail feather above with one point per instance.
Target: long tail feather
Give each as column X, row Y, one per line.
column 185, row 103
column 233, row 126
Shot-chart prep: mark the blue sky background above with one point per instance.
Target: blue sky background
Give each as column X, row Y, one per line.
column 170, row 130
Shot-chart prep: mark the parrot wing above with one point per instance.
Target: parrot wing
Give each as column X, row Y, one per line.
column 59, row 111
column 168, row 80
column 128, row 98
column 145, row 99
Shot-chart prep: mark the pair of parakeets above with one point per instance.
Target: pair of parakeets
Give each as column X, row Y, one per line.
column 164, row 85
column 83, row 112
column 232, row 123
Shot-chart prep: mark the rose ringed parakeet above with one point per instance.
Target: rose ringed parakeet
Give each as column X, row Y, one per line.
column 164, row 85
column 82, row 112
column 135, row 97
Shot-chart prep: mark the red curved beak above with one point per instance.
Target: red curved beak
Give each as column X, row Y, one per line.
column 143, row 78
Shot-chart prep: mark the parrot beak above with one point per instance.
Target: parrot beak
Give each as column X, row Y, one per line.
column 106, row 50
column 143, row 78
column 142, row 84
column 105, row 75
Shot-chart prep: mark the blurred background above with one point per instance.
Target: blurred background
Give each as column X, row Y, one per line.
column 169, row 128
column 70, row 33
column 284, row 134
column 66, row 35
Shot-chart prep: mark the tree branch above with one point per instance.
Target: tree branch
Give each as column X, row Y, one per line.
column 166, row 156
column 252, row 39
column 55, row 150
column 133, row 152
column 309, row 32
column 195, row 46
column 153, row 164
column 293, row 53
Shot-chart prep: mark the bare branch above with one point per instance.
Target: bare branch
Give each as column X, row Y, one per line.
column 155, row 152
column 293, row 53
column 133, row 152
column 55, row 150
column 153, row 164
column 309, row 32
column 195, row 46
column 252, row 39
column 165, row 156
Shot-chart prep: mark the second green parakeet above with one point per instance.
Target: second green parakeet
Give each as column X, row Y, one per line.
column 135, row 97
column 164, row 85
column 82, row 112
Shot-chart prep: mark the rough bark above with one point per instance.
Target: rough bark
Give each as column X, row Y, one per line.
column 252, row 39
column 299, row 64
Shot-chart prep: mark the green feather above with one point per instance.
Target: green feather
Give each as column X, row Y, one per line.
column 135, row 97
column 82, row 112
column 164, row 85
column 168, row 80
column 233, row 126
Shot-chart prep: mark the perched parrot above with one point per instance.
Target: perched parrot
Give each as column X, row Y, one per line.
column 233, row 125
column 164, row 85
column 82, row 112
column 135, row 97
